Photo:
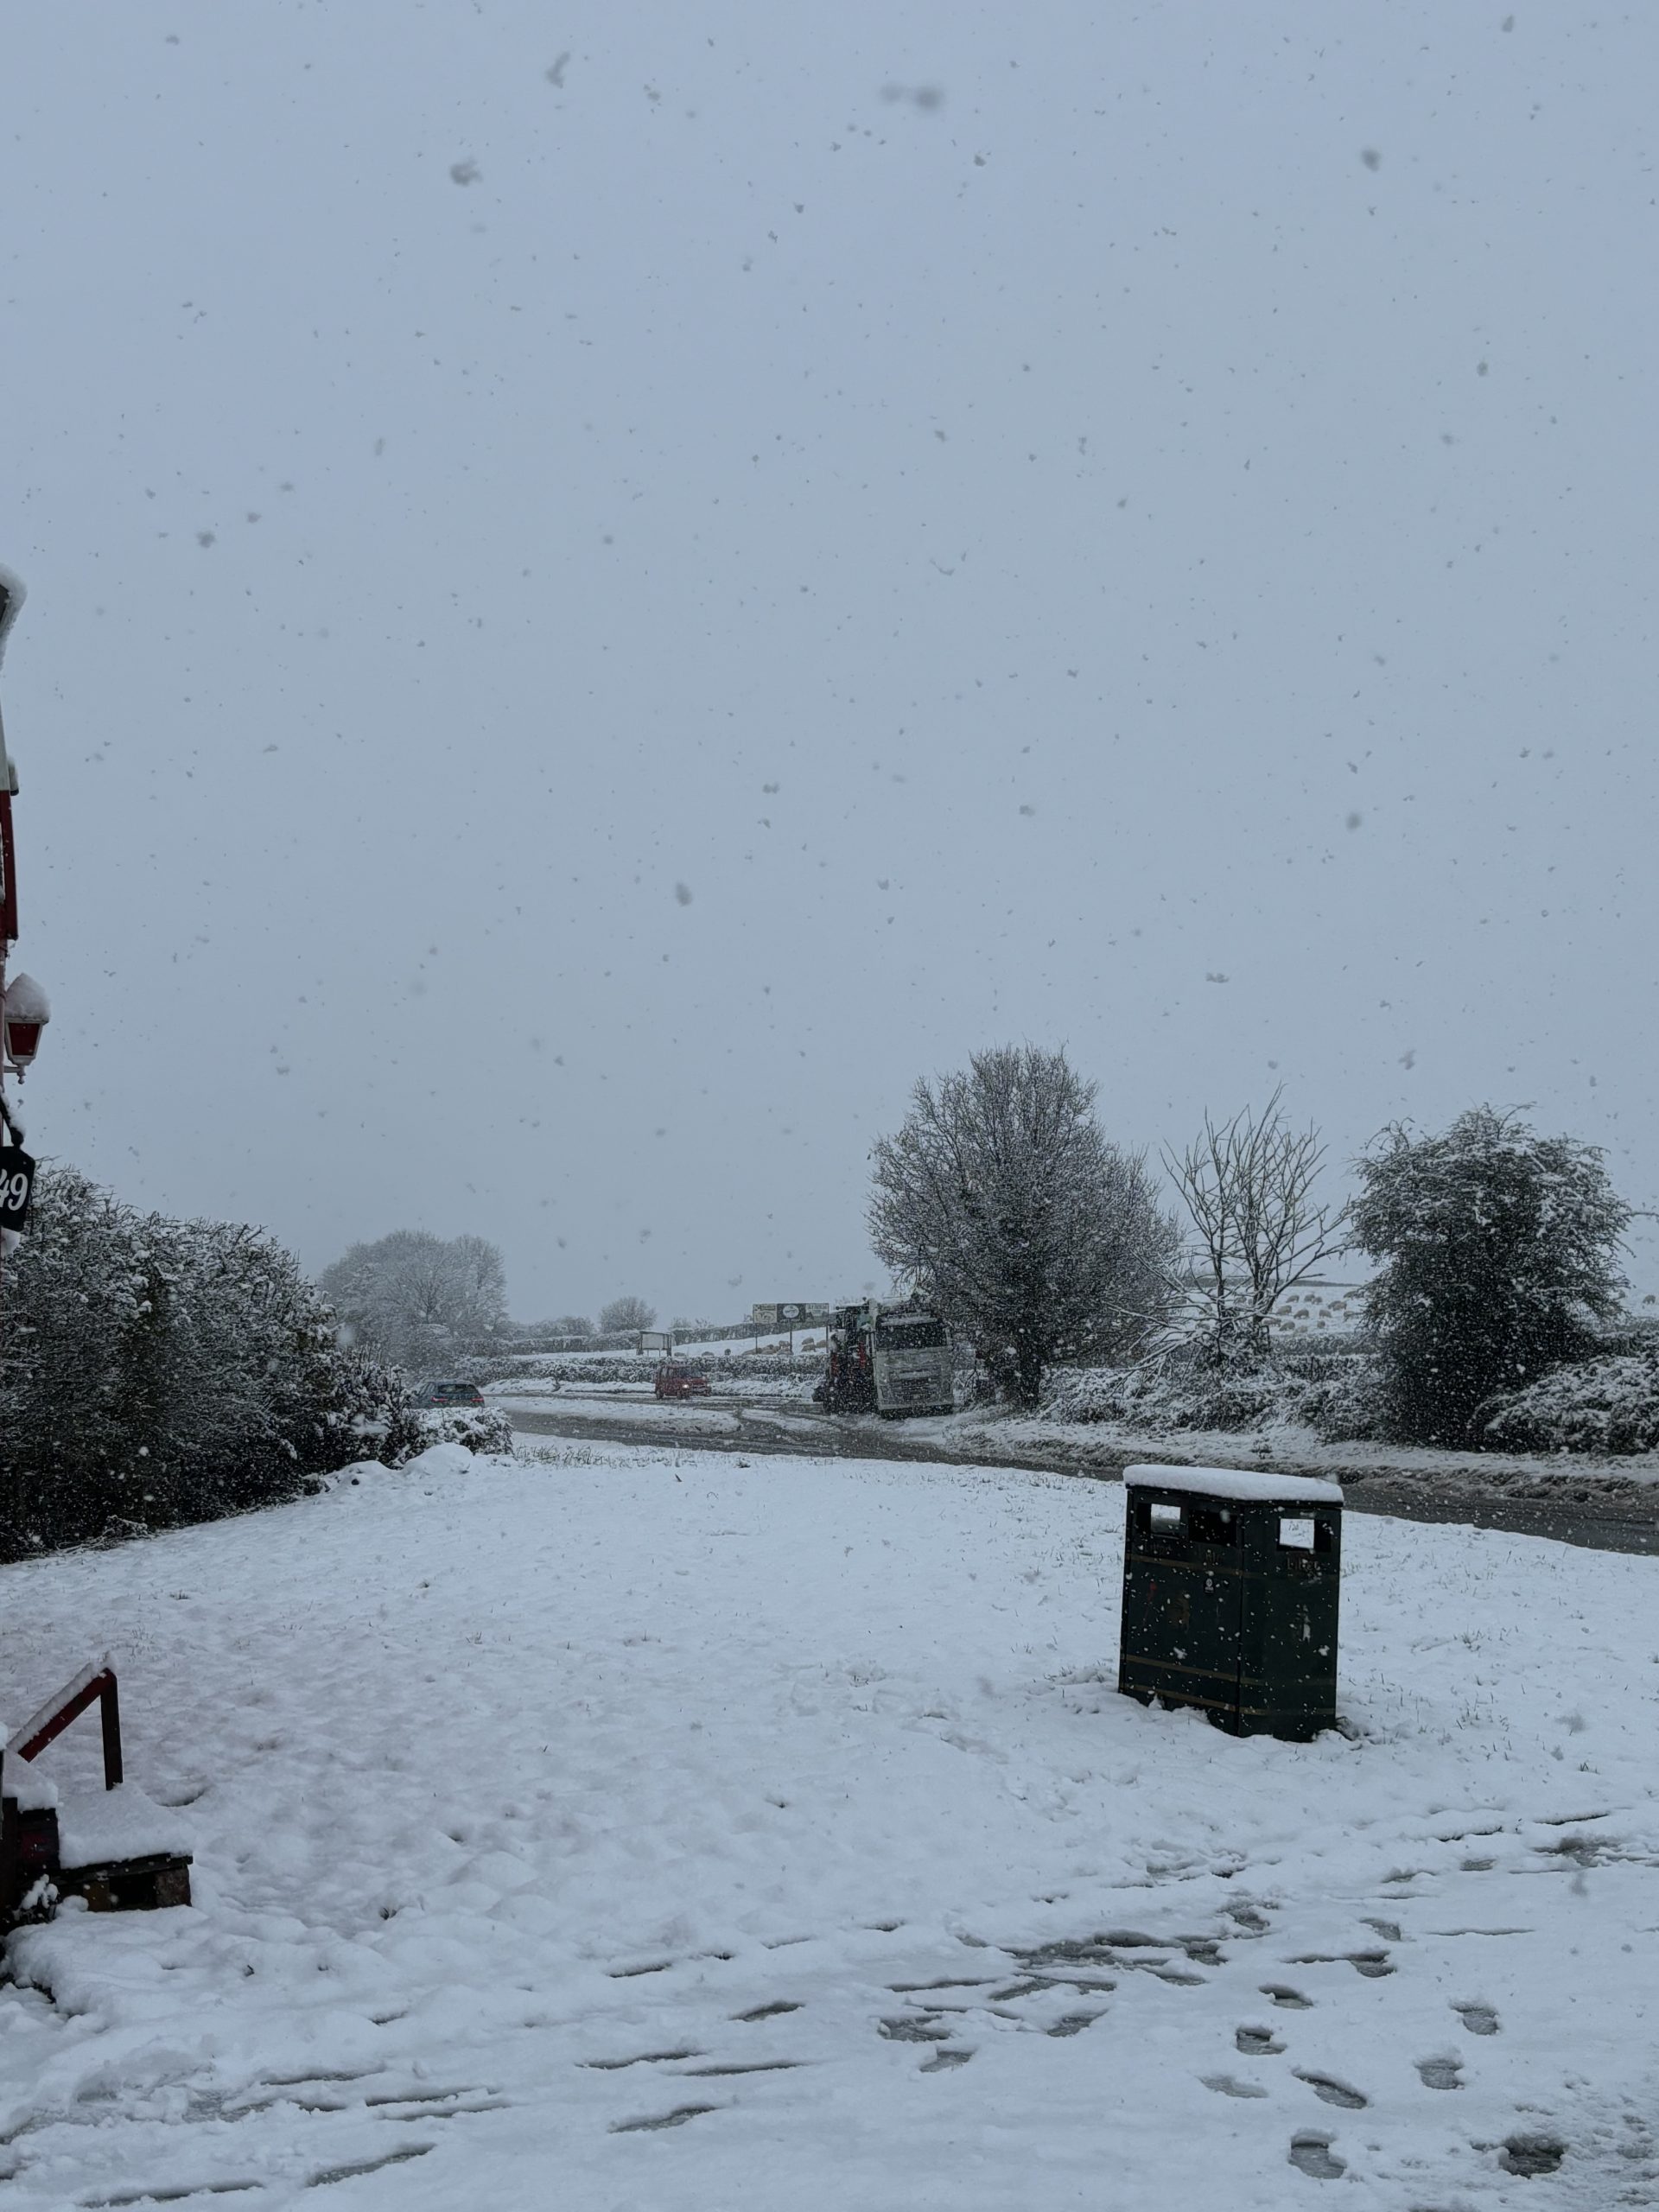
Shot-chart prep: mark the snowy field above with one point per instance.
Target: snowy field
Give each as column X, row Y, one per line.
column 638, row 1833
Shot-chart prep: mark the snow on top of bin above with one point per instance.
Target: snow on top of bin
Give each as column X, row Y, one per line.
column 1252, row 1485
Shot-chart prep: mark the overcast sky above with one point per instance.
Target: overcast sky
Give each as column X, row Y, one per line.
column 610, row 584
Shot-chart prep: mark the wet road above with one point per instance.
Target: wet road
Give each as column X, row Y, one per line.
column 1624, row 1523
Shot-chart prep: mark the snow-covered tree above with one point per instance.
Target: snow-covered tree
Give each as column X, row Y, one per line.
column 155, row 1371
column 625, row 1317
column 1003, row 1205
column 1248, row 1186
column 1498, row 1250
column 421, row 1299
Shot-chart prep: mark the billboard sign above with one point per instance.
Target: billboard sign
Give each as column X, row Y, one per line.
column 803, row 1314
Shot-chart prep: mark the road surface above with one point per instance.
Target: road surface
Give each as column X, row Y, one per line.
column 1625, row 1524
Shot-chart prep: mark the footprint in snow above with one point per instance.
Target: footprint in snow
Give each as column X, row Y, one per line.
column 639, row 2058
column 1332, row 2091
column 747, row 2066
column 1292, row 1999
column 1479, row 2020
column 1227, row 2085
column 1257, row 2043
column 1443, row 2073
column 1531, row 2155
column 677, row 2118
column 1311, row 2154
column 330, row 2175
column 924, row 2028
column 1372, row 1964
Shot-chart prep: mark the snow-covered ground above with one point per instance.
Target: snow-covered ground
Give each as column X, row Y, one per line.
column 636, row 1830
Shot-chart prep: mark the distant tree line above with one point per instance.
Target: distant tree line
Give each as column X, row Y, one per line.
column 429, row 1304
column 1002, row 1204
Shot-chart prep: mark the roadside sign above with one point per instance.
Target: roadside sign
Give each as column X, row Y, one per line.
column 803, row 1314
column 655, row 1340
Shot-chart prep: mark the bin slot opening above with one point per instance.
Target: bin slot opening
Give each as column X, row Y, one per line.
column 1295, row 1533
column 1164, row 1520
column 1212, row 1524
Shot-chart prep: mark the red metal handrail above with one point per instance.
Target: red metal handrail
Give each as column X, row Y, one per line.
column 94, row 1684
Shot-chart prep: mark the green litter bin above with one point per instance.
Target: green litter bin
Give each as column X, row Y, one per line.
column 1232, row 1578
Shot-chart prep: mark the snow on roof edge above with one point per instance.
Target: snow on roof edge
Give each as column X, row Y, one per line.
column 1256, row 1485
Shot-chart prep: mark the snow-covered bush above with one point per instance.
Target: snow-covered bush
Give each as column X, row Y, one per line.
column 1349, row 1404
column 155, row 1371
column 1499, row 1257
column 480, row 1428
column 1608, row 1405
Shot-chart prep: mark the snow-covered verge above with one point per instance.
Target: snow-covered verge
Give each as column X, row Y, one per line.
column 989, row 1432
column 630, row 1830
column 1603, row 1406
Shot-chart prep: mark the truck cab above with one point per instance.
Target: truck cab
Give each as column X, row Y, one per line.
column 891, row 1360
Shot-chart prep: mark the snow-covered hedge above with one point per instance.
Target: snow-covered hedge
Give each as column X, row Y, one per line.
column 480, row 1428
column 1609, row 1405
column 1336, row 1395
column 153, row 1372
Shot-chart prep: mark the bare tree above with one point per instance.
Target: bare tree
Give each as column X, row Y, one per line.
column 1000, row 1202
column 1248, row 1188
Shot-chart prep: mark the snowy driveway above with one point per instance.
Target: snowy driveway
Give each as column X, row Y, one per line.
column 630, row 1832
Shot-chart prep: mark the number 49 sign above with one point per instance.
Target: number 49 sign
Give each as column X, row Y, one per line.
column 16, row 1181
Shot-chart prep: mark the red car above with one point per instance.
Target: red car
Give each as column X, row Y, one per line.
column 675, row 1380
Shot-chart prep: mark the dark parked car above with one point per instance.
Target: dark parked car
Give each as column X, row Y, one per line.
column 436, row 1395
